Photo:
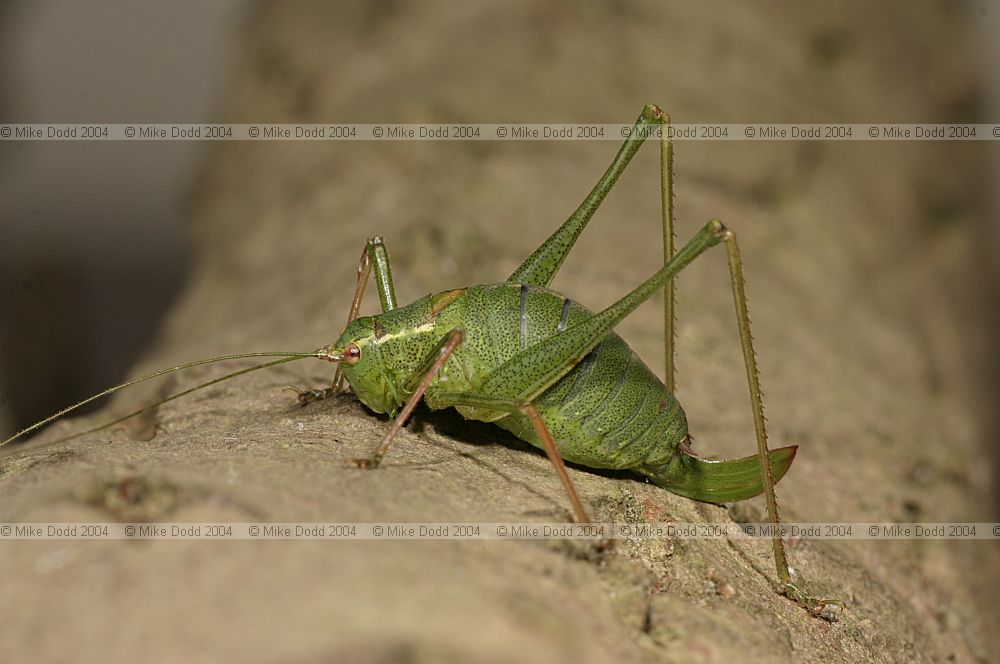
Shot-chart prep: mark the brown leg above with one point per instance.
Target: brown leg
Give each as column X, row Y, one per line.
column 514, row 405
column 451, row 342
column 364, row 271
column 669, row 295
column 557, row 462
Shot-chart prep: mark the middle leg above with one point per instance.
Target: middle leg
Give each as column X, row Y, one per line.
column 494, row 404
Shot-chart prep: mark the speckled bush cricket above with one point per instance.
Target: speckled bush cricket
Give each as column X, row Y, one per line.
column 543, row 367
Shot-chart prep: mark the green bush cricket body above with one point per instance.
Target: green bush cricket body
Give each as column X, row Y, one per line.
column 541, row 366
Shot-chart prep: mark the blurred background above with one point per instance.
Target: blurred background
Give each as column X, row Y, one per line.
column 92, row 241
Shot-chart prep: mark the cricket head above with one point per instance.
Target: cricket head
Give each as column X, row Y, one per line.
column 358, row 353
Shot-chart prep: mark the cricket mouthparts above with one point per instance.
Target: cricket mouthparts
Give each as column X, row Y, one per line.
column 330, row 354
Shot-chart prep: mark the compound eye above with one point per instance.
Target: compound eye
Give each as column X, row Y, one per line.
column 352, row 354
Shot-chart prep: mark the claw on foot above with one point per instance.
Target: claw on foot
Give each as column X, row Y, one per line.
column 827, row 609
column 306, row 397
column 364, row 464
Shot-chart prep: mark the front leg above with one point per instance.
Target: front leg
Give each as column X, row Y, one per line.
column 311, row 395
column 374, row 258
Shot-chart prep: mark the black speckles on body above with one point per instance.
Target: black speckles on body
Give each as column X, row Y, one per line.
column 523, row 328
column 580, row 375
column 605, row 413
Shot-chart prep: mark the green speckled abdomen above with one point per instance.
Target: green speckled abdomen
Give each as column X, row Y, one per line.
column 609, row 411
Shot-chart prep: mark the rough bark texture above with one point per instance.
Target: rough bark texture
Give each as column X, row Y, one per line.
column 861, row 273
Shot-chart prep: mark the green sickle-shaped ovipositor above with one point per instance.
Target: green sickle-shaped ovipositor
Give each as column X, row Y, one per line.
column 543, row 367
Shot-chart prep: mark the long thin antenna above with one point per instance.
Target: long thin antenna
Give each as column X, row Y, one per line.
column 286, row 357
